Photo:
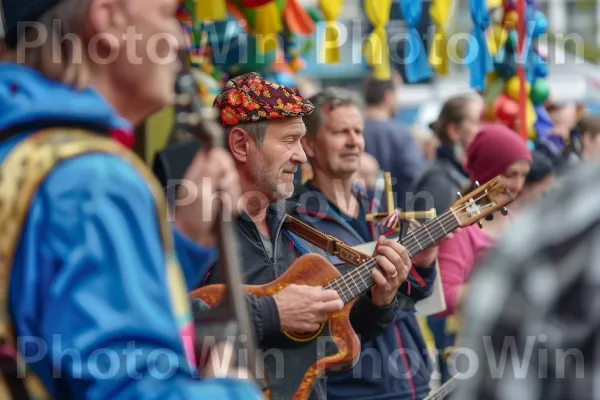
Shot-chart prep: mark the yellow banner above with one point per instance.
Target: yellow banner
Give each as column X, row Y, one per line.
column 376, row 48
column 438, row 54
column 331, row 10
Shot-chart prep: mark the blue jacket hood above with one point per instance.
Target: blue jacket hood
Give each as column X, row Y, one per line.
column 26, row 96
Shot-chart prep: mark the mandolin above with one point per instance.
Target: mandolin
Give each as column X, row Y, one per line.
column 335, row 346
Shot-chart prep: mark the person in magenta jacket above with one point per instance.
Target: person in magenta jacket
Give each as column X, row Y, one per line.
column 496, row 150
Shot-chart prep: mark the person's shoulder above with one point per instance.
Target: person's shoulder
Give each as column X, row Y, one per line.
column 434, row 172
column 389, row 127
column 96, row 178
column 434, row 177
column 93, row 170
column 308, row 198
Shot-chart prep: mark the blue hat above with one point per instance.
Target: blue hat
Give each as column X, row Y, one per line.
column 14, row 11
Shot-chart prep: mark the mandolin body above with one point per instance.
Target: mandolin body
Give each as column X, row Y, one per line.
column 293, row 362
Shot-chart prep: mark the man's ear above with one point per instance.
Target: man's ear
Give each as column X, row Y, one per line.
column 308, row 146
column 110, row 18
column 238, row 144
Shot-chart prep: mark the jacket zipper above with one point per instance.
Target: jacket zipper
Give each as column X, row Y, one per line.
column 275, row 244
column 277, row 233
column 266, row 253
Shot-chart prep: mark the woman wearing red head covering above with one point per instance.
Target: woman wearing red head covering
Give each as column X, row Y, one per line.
column 495, row 151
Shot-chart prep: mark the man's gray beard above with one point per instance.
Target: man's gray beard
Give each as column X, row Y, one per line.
column 281, row 194
column 275, row 189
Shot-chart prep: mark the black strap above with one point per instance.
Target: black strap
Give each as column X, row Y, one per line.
column 9, row 374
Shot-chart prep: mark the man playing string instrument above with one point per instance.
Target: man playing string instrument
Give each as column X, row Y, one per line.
column 395, row 364
column 265, row 129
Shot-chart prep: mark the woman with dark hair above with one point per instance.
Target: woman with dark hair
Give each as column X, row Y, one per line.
column 456, row 127
column 496, row 151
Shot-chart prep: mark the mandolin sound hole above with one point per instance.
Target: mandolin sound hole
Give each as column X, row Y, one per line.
column 304, row 337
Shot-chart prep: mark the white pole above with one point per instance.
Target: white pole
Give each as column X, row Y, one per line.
column 557, row 15
column 597, row 8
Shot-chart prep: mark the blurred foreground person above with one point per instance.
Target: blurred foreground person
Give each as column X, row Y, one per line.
column 531, row 316
column 95, row 299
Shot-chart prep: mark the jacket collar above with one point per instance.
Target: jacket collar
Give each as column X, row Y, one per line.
column 446, row 153
column 319, row 207
column 276, row 214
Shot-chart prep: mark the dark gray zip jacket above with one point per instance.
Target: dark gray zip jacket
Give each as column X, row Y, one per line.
column 258, row 268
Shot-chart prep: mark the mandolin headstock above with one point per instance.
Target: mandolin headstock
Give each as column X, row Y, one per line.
column 482, row 202
column 192, row 116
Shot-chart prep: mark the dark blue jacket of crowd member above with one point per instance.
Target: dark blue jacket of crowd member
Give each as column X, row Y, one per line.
column 383, row 371
column 397, row 151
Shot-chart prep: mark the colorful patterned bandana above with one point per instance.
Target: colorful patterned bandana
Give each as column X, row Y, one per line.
column 250, row 98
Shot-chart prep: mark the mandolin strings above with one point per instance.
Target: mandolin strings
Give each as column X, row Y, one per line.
column 359, row 279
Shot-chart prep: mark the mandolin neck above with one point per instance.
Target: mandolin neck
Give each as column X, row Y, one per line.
column 359, row 279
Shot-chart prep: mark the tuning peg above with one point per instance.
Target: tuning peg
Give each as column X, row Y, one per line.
column 504, row 211
column 489, row 217
column 477, row 184
column 479, row 224
column 459, row 194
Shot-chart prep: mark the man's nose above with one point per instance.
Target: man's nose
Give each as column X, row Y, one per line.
column 352, row 139
column 299, row 156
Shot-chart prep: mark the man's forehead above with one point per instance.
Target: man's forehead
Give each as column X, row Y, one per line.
column 288, row 126
column 344, row 114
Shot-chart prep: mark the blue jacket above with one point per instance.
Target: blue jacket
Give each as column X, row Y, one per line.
column 89, row 294
column 384, row 370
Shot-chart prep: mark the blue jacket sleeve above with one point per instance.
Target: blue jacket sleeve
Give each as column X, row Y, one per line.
column 90, row 296
column 195, row 260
